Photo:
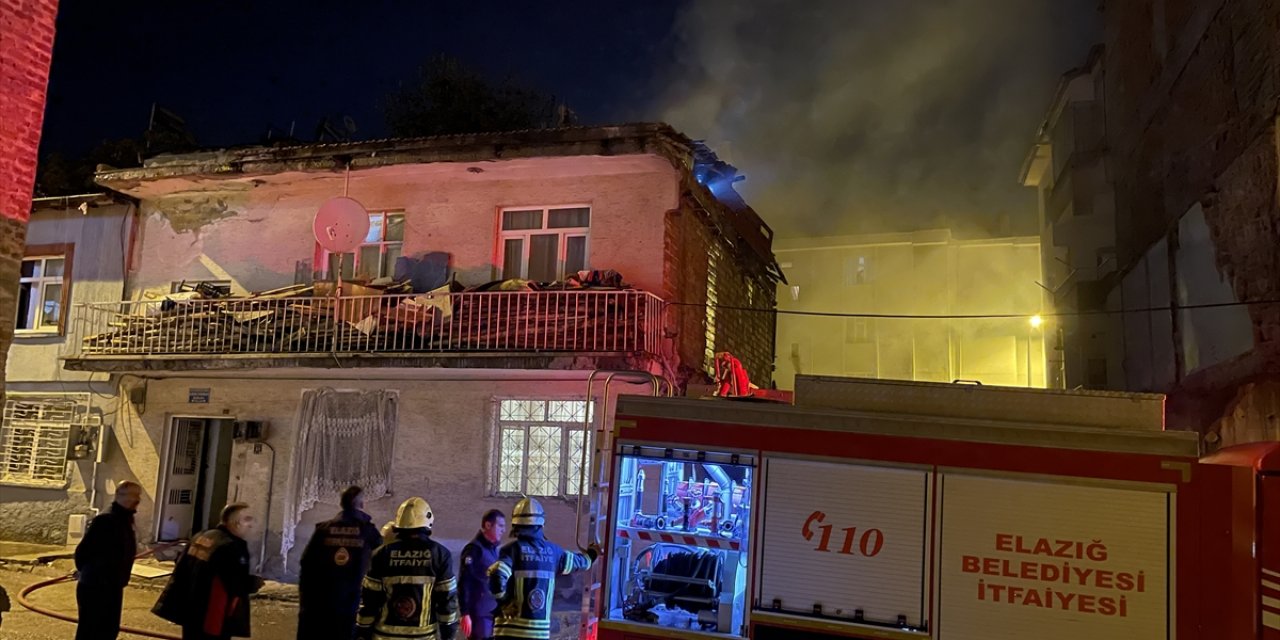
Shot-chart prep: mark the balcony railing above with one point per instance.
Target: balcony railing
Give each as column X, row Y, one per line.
column 623, row 322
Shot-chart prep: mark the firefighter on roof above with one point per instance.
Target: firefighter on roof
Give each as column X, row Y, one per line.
column 410, row 591
column 524, row 578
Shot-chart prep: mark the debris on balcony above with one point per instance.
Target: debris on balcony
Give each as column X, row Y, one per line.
column 590, row 311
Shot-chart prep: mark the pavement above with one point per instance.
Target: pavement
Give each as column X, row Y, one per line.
column 274, row 609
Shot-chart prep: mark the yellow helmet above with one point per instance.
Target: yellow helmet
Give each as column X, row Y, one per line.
column 414, row 513
column 528, row 513
column 388, row 531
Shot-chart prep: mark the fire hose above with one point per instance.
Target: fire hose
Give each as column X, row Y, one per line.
column 33, row 587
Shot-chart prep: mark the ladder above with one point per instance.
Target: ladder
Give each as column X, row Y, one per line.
column 600, row 467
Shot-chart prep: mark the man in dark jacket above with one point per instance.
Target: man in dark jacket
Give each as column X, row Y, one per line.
column 333, row 565
column 524, row 577
column 208, row 593
column 410, row 591
column 104, row 560
column 474, row 599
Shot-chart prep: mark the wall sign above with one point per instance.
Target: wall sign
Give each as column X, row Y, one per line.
column 198, row 396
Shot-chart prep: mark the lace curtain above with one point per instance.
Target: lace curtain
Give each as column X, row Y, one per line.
column 344, row 438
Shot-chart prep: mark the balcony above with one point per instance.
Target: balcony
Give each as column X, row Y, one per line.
column 382, row 330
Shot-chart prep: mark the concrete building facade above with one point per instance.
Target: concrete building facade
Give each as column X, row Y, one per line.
column 928, row 273
column 468, row 398
column 74, row 254
column 1067, row 166
column 1191, row 98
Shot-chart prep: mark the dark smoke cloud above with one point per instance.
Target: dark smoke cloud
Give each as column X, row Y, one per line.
column 853, row 116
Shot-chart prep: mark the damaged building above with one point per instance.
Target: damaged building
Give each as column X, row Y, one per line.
column 452, row 362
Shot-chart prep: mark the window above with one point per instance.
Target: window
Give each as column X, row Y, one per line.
column 855, row 271
column 543, row 245
column 43, row 289
column 34, row 436
column 859, row 330
column 376, row 256
column 540, row 446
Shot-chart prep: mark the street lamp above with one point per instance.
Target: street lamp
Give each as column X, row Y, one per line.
column 1034, row 322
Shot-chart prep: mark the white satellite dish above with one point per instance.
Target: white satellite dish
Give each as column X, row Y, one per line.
column 341, row 225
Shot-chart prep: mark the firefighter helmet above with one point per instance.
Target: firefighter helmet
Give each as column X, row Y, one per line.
column 528, row 513
column 414, row 513
column 388, row 531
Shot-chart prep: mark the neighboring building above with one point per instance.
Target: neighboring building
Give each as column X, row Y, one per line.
column 469, row 399
column 1068, row 168
column 925, row 273
column 1192, row 89
column 74, row 254
column 26, row 47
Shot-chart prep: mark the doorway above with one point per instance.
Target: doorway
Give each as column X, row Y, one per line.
column 196, row 476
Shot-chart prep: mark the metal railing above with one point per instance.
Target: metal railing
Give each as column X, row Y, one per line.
column 471, row 322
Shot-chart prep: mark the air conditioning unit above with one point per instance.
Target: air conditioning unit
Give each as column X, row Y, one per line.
column 76, row 525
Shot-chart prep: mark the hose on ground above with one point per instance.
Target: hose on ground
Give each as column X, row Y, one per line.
column 31, row 588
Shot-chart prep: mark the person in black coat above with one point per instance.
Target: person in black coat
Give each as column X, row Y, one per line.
column 474, row 600
column 208, row 593
column 333, row 565
column 104, row 560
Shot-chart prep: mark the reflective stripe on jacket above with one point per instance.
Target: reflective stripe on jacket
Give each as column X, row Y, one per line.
column 524, row 582
column 410, row 591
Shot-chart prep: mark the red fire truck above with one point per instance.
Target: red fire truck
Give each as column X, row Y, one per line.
column 874, row 509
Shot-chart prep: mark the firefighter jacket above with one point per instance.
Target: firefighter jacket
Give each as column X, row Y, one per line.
column 104, row 557
column 524, row 581
column 410, row 591
column 210, row 586
column 333, row 566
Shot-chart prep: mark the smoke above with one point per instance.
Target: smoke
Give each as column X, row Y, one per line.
column 858, row 116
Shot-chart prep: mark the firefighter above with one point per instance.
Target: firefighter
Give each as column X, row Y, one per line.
column 474, row 599
column 523, row 580
column 410, row 591
column 333, row 565
column 208, row 593
column 104, row 560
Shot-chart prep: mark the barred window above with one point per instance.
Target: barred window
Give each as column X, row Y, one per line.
column 540, row 447
column 34, row 436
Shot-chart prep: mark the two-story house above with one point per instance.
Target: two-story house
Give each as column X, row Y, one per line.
column 271, row 386
column 51, row 427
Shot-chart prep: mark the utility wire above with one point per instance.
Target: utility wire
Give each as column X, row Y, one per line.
column 978, row 316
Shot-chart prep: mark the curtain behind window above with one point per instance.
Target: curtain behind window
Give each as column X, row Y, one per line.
column 344, row 438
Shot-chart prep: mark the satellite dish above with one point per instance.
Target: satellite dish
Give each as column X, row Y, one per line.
column 341, row 225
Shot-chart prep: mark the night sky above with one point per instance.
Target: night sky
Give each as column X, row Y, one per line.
column 845, row 115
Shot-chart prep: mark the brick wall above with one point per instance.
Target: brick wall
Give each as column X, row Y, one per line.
column 1192, row 106
column 740, row 282
column 26, row 46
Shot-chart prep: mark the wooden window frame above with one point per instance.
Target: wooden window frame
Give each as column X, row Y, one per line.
column 65, row 251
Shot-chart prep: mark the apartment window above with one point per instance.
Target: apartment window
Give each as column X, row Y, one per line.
column 376, row 256
column 34, row 436
column 855, row 271
column 540, row 446
column 859, row 330
column 43, row 288
column 544, row 245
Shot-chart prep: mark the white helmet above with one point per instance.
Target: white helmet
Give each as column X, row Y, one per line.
column 414, row 513
column 528, row 513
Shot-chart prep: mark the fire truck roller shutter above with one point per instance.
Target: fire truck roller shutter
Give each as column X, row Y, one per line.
column 847, row 537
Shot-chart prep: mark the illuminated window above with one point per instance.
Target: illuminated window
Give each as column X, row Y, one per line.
column 376, row 256
column 35, row 434
column 42, row 293
column 540, row 446
column 855, row 271
column 543, row 245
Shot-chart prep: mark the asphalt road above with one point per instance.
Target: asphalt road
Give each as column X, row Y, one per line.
column 272, row 620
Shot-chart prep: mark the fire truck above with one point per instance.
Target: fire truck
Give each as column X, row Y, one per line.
column 900, row 510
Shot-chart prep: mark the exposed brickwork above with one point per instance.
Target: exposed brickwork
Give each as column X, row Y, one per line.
column 740, row 284
column 1192, row 104
column 26, row 47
